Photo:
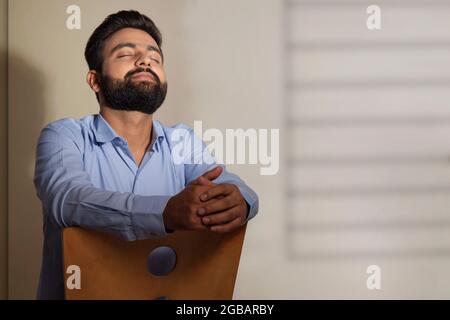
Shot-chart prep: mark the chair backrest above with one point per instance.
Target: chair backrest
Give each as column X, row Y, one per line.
column 110, row 268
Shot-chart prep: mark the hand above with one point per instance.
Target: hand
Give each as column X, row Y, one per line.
column 181, row 210
column 224, row 208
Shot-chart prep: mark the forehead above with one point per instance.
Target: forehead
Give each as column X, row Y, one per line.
column 139, row 37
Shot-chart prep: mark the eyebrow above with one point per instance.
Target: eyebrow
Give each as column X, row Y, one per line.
column 133, row 45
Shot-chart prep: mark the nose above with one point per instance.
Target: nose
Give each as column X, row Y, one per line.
column 144, row 61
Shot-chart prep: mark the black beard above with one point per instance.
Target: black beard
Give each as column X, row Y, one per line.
column 142, row 96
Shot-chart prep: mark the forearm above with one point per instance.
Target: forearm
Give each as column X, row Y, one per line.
column 129, row 216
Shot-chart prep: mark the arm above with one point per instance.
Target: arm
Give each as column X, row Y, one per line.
column 70, row 199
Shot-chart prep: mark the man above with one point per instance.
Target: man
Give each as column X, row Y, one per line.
column 116, row 171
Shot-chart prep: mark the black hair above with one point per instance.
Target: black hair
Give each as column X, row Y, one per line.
column 113, row 23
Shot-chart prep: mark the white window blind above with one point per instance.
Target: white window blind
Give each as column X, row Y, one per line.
column 368, row 127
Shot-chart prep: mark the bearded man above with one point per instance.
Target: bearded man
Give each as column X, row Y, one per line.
column 115, row 171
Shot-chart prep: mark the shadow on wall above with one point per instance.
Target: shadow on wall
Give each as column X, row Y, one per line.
column 3, row 175
column 26, row 118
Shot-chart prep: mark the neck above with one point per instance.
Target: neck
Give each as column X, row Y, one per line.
column 134, row 126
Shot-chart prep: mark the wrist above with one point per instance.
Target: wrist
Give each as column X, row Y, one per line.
column 166, row 220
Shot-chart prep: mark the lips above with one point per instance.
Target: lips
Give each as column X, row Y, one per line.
column 143, row 76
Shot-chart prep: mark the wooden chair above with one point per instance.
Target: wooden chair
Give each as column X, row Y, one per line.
column 206, row 265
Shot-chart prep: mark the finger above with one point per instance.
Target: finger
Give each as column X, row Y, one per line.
column 213, row 174
column 209, row 175
column 211, row 199
column 199, row 227
column 223, row 217
column 228, row 227
column 193, row 182
column 196, row 224
column 204, row 182
column 201, row 181
column 220, row 189
column 219, row 205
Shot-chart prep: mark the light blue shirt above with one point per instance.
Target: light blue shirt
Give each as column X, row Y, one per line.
column 86, row 176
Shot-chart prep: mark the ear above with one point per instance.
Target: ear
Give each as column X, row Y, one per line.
column 92, row 79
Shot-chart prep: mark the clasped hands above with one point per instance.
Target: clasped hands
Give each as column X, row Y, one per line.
column 204, row 205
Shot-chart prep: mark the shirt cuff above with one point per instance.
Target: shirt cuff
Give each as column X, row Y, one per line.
column 147, row 216
column 252, row 201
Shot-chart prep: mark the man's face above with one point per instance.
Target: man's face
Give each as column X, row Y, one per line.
column 133, row 76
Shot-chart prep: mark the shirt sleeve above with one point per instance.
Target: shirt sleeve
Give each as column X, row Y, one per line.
column 70, row 199
column 199, row 160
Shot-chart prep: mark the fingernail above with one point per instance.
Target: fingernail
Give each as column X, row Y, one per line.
column 206, row 220
column 204, row 196
column 201, row 211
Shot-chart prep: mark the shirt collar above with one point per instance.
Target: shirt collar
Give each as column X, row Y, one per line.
column 157, row 136
column 105, row 133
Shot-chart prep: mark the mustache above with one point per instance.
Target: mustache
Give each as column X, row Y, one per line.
column 139, row 70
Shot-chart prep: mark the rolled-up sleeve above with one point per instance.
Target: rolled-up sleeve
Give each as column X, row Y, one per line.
column 70, row 199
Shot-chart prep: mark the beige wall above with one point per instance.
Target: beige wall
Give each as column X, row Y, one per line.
column 3, row 150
